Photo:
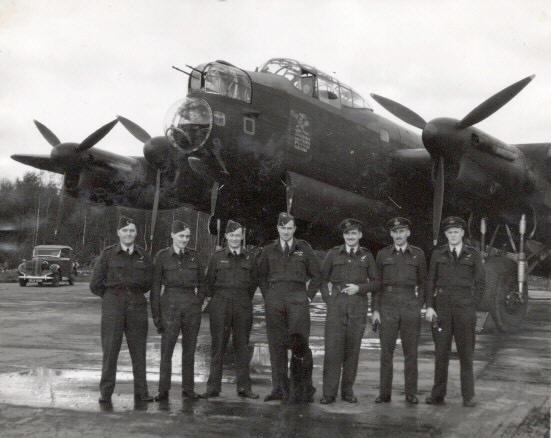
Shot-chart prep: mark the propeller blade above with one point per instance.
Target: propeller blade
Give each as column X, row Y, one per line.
column 214, row 197
column 492, row 104
column 96, row 136
column 43, row 162
column 155, row 209
column 134, row 129
column 400, row 111
column 47, row 134
column 60, row 211
column 438, row 201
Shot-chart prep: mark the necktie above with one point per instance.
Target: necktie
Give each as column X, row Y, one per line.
column 286, row 249
column 401, row 251
column 454, row 253
column 352, row 253
column 128, row 251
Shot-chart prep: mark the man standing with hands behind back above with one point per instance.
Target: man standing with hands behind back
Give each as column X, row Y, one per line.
column 284, row 267
column 121, row 276
column 455, row 284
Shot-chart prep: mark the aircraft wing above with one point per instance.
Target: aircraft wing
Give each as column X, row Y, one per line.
column 43, row 162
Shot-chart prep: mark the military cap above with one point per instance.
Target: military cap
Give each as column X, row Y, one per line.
column 124, row 221
column 284, row 218
column 398, row 222
column 231, row 226
column 350, row 224
column 454, row 222
column 178, row 226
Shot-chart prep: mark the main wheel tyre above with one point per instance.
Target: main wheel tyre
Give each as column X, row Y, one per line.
column 501, row 297
column 23, row 282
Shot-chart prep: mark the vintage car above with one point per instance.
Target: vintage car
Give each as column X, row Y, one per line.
column 50, row 264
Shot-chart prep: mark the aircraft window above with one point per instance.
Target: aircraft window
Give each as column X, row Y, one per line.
column 358, row 101
column 328, row 92
column 346, row 97
column 227, row 81
column 195, row 80
column 307, row 84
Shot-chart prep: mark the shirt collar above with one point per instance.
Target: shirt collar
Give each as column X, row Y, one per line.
column 123, row 248
column 458, row 248
column 176, row 251
column 404, row 248
column 238, row 251
column 291, row 244
column 348, row 248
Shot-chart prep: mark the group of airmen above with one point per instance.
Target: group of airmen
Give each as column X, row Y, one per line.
column 289, row 275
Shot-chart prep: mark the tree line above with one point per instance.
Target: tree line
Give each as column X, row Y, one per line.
column 30, row 209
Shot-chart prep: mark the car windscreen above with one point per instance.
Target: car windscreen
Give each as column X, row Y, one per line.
column 46, row 252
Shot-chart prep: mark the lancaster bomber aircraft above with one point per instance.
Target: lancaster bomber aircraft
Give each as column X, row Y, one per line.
column 249, row 144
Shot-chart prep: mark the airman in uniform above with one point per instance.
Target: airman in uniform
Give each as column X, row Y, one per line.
column 455, row 285
column 348, row 273
column 285, row 266
column 178, row 309
column 121, row 277
column 397, row 306
column 231, row 283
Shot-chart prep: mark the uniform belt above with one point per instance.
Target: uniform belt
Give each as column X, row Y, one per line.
column 182, row 289
column 296, row 282
column 446, row 289
column 391, row 287
column 124, row 289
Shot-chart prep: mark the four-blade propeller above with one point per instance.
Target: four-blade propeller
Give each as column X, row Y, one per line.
column 439, row 135
column 68, row 157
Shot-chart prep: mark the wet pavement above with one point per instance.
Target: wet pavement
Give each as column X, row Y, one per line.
column 50, row 366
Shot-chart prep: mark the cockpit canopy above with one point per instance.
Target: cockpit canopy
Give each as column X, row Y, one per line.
column 315, row 83
column 221, row 78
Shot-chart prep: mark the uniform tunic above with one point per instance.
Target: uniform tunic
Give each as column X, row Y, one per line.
column 177, row 310
column 454, row 287
column 399, row 302
column 346, row 315
column 282, row 280
column 231, row 282
column 121, row 279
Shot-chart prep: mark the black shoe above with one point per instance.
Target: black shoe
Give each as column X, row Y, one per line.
column 104, row 400
column 435, row 401
column 470, row 403
column 161, row 396
column 412, row 400
column 143, row 398
column 327, row 400
column 247, row 393
column 382, row 399
column 274, row 396
column 191, row 395
column 210, row 394
column 350, row 398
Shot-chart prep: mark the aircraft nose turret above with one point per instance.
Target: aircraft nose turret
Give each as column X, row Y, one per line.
column 188, row 123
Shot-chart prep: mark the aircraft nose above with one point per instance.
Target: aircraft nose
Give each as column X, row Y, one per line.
column 188, row 123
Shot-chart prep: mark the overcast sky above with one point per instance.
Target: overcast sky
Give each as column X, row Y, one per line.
column 75, row 65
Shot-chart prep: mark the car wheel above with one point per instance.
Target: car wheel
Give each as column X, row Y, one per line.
column 23, row 282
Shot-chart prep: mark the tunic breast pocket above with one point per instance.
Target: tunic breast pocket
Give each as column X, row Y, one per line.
column 223, row 272
column 467, row 267
column 245, row 271
column 140, row 270
column 389, row 268
column 338, row 271
column 117, row 270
